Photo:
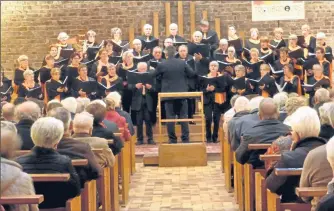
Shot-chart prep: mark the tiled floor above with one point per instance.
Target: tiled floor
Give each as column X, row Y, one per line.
column 179, row 189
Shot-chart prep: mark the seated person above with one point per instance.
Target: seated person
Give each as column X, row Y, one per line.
column 326, row 114
column 266, row 130
column 8, row 112
column 82, row 131
column 76, row 149
column 292, row 104
column 26, row 114
column 228, row 115
column 70, row 104
column 327, row 202
column 321, row 97
column 53, row 104
column 305, row 125
column 14, row 182
column 280, row 100
column 44, row 159
column 99, row 128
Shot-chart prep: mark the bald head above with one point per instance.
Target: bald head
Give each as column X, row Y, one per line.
column 268, row 109
column 8, row 111
column 27, row 110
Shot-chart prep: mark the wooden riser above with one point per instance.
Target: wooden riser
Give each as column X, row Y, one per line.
column 151, row 159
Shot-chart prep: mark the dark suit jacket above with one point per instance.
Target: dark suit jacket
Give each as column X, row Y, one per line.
column 178, row 38
column 202, row 66
column 23, row 129
column 265, row 131
column 111, row 126
column 44, row 161
column 326, row 203
column 79, row 150
column 174, row 73
column 213, row 40
column 128, row 119
column 285, row 185
column 231, row 127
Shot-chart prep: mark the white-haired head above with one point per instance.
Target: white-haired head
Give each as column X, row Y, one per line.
column 142, row 67
column 305, row 122
column 173, row 29
column 10, row 140
column 82, row 102
column 223, row 42
column 321, row 96
column 330, row 152
column 70, row 104
column 254, row 103
column 62, row 36
column 46, row 132
column 280, row 99
column 326, row 114
column 98, row 101
column 321, row 35
column 116, row 97
column 83, row 123
column 63, row 115
column 27, row 111
column 241, row 104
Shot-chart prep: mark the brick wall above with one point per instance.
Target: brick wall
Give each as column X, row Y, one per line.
column 29, row 27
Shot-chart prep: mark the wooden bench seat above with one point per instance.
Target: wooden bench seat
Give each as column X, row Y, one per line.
column 24, row 199
column 311, row 191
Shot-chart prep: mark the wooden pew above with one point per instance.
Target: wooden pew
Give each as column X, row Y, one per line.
column 274, row 201
column 133, row 154
column 23, row 199
column 260, row 184
column 124, row 171
column 311, row 191
column 249, row 178
column 238, row 177
column 114, row 193
column 227, row 160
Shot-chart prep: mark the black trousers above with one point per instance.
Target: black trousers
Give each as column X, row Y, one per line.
column 143, row 115
column 126, row 99
column 172, row 108
column 191, row 107
column 212, row 112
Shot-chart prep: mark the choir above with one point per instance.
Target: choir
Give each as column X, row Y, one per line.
column 91, row 69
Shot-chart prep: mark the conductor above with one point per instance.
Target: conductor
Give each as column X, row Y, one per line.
column 174, row 73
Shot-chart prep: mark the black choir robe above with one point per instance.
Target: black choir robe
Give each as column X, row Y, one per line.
column 311, row 45
column 290, row 86
column 93, row 70
column 34, row 92
column 298, row 54
column 213, row 40
column 324, row 82
column 44, row 74
column 267, row 56
column 70, row 72
column 177, row 38
column 112, row 83
column 270, row 88
column 18, row 76
column 249, row 45
column 279, row 66
column 78, row 84
column 51, row 89
column 6, row 90
column 248, row 88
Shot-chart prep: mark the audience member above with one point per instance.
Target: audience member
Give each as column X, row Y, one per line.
column 14, row 182
column 228, row 115
column 82, row 102
column 76, row 149
column 46, row 133
column 321, row 96
column 326, row 114
column 53, row 104
column 305, row 125
column 8, row 112
column 280, row 100
column 110, row 125
column 70, row 104
column 26, row 114
column 82, row 131
column 100, row 130
column 266, row 130
column 292, row 104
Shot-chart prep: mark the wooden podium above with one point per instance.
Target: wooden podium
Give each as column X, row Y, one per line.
column 183, row 154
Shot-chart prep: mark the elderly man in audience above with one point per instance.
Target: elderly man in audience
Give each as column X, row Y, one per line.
column 321, row 96
column 305, row 125
column 326, row 114
column 82, row 102
column 70, row 104
column 246, row 122
column 26, row 114
column 266, row 130
column 8, row 112
column 110, row 125
column 46, row 133
column 280, row 100
column 317, row 171
column 100, row 130
column 228, row 115
column 241, row 108
column 82, row 131
column 327, row 202
column 53, row 104
column 76, row 149
column 14, row 182
column 118, row 100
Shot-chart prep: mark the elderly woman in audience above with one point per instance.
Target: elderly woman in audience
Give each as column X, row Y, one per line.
column 76, row 149
column 14, row 182
column 46, row 133
column 321, row 96
column 228, row 115
column 26, row 114
column 305, row 125
column 113, row 116
column 82, row 131
column 71, row 105
column 326, row 114
column 118, row 100
column 53, row 104
column 81, row 104
column 292, row 104
column 99, row 128
column 8, row 112
column 327, row 202
column 280, row 100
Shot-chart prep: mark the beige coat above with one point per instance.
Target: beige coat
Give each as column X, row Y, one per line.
column 106, row 158
column 316, row 171
column 15, row 182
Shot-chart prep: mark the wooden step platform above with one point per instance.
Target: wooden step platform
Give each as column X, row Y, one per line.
column 176, row 155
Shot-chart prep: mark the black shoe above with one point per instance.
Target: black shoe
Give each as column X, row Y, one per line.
column 186, row 141
column 172, row 141
column 151, row 142
column 178, row 123
column 214, row 141
column 192, row 123
column 139, row 143
column 208, row 140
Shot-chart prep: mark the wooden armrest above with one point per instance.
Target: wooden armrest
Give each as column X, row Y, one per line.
column 270, row 157
column 110, row 141
column 80, row 162
column 118, row 134
column 258, row 146
column 311, row 191
column 180, row 94
column 24, row 199
column 288, row 171
column 19, row 153
column 98, row 151
column 50, row 177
